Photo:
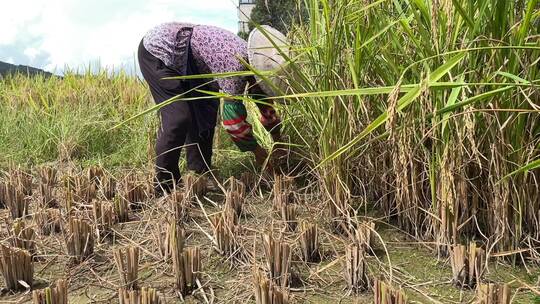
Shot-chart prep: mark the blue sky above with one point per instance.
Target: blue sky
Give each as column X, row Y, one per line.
column 53, row 34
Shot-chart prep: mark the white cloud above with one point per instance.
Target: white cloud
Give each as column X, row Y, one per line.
column 10, row 60
column 77, row 32
column 31, row 53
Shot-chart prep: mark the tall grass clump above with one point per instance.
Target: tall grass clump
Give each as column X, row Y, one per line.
column 427, row 109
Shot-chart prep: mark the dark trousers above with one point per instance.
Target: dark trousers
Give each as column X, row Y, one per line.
column 179, row 122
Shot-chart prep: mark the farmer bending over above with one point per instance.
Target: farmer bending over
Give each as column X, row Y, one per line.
column 179, row 49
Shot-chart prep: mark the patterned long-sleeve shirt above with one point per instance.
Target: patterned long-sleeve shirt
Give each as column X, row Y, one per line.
column 215, row 50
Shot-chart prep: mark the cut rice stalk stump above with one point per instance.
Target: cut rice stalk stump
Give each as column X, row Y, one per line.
column 16, row 201
column 127, row 262
column 79, row 239
column 355, row 270
column 195, row 186
column 144, row 296
column 23, row 237
column 266, row 292
column 468, row 263
column 57, row 294
column 234, row 200
column 278, row 259
column 17, row 268
column 121, row 209
column 492, row 293
column 48, row 221
column 187, row 267
column 364, row 235
column 103, row 218
column 225, row 232
column 288, row 215
column 309, row 243
column 386, row 294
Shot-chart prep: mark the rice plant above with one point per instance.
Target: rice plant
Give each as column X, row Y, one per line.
column 426, row 107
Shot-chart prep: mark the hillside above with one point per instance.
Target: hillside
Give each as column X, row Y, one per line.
column 7, row 68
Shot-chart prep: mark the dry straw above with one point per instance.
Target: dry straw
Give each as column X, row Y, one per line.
column 266, row 292
column 127, row 262
column 384, row 294
column 309, row 242
column 288, row 215
column 355, row 268
column 48, row 221
column 144, row 296
column 17, row 268
column 79, row 239
column 57, row 294
column 492, row 293
column 23, row 237
column 468, row 263
column 104, row 218
column 278, row 259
